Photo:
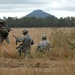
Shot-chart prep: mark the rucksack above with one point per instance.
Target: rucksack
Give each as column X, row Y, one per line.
column 4, row 32
column 27, row 42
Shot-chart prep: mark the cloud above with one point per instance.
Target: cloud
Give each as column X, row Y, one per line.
column 26, row 6
column 18, row 7
column 22, row 5
column 62, row 5
column 23, row 1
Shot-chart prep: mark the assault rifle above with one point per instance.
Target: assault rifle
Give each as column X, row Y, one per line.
column 20, row 46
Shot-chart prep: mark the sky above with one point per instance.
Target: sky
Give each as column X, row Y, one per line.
column 20, row 8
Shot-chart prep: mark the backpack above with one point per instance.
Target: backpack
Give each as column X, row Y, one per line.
column 28, row 41
column 4, row 32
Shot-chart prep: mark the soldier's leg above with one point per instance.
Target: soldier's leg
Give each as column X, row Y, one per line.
column 28, row 52
column 24, row 51
column 7, row 40
column 1, row 39
column 19, row 52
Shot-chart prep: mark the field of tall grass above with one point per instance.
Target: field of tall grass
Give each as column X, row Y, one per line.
column 59, row 60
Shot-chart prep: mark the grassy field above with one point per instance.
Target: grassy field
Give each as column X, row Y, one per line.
column 59, row 60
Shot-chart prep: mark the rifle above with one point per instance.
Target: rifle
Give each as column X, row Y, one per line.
column 20, row 46
column 17, row 39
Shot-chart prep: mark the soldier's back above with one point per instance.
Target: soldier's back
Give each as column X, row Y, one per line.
column 27, row 40
column 43, row 45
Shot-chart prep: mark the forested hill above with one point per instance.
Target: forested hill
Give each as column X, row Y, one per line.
column 40, row 19
column 38, row 14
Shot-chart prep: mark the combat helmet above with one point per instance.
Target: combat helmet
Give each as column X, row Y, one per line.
column 44, row 37
column 24, row 31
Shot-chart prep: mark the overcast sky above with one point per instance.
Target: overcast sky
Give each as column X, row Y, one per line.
column 20, row 8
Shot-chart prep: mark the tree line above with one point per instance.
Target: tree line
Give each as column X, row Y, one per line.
column 49, row 21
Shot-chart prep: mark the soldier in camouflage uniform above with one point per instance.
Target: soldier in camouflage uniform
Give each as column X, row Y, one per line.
column 26, row 44
column 44, row 45
column 4, row 31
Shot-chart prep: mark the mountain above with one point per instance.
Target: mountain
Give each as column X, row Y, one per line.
column 38, row 14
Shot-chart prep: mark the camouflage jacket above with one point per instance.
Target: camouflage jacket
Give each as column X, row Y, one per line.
column 43, row 45
column 26, row 40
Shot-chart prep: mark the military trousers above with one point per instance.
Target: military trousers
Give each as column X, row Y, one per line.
column 2, row 39
column 25, row 50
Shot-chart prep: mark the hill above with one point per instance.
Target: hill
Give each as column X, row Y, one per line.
column 38, row 14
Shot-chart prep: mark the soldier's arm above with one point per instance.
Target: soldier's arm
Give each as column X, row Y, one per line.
column 20, row 45
column 18, row 39
column 38, row 46
column 8, row 28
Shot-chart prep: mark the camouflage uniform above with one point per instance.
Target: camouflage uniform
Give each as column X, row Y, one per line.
column 4, row 32
column 25, row 45
column 44, row 45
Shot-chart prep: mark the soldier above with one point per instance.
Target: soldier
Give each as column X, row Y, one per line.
column 4, row 31
column 44, row 45
column 26, row 44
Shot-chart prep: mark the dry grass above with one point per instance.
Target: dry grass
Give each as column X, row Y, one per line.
column 60, row 59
